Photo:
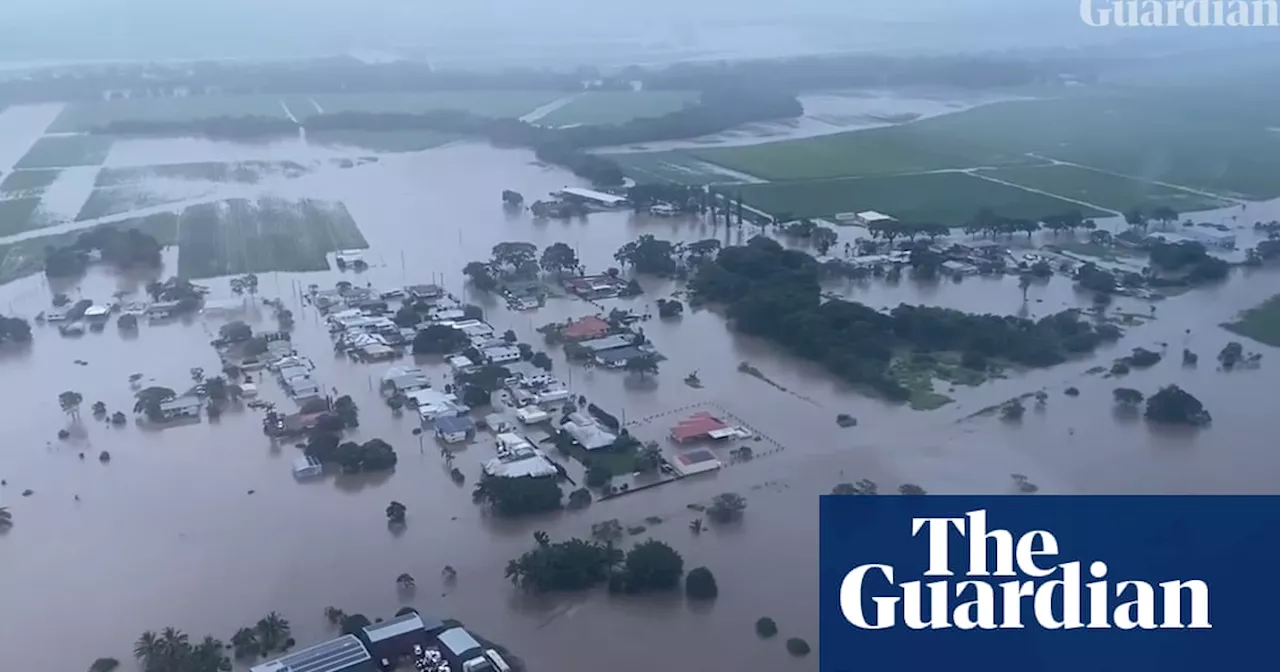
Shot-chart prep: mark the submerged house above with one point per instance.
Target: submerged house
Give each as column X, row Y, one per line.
column 455, row 429
column 395, row 638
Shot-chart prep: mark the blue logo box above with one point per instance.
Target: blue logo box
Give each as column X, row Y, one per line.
column 1048, row 583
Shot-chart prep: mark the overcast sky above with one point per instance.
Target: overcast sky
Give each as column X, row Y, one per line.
column 529, row 31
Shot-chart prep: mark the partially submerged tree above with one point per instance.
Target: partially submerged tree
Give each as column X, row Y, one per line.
column 70, row 402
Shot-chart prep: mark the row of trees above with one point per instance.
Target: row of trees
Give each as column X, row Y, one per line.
column 719, row 109
column 577, row 564
column 515, row 260
column 774, row 293
column 130, row 248
column 1170, row 405
column 372, row 455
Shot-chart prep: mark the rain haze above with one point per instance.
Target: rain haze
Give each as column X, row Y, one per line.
column 314, row 313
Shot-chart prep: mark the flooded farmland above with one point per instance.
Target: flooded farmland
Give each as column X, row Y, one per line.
column 203, row 527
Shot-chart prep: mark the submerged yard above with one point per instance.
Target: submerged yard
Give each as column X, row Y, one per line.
column 17, row 215
column 28, row 182
column 944, row 198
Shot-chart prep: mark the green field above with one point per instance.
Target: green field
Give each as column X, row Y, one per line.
column 1144, row 135
column 244, row 172
column 669, row 167
column 382, row 141
column 80, row 117
column 487, row 103
column 616, row 107
column 18, row 215
column 241, row 236
column 61, row 151
column 1261, row 323
column 943, row 198
column 1104, row 190
column 28, row 182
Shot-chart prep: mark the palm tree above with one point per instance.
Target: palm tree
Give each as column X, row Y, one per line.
column 696, row 526
column 175, row 645
column 273, row 630
column 149, row 650
column 244, row 643
column 542, row 538
column 206, row 656
column 6, row 518
column 1024, row 282
column 70, row 402
column 405, row 581
column 396, row 512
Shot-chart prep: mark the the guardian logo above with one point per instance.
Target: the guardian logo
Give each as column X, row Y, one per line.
column 1051, row 593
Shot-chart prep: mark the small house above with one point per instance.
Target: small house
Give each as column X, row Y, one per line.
column 459, row 363
column 532, row 415
column 597, row 345
column 455, row 429
column 500, row 354
column 182, row 407
column 96, row 312
column 306, row 467
column 587, row 432
column 424, row 292
column 618, row 357
column 585, row 329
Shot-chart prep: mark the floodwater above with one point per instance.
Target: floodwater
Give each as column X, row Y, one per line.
column 202, row 526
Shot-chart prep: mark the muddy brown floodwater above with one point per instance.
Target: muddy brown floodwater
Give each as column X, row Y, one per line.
column 168, row 534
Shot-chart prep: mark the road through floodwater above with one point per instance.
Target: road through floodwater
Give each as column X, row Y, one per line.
column 203, row 527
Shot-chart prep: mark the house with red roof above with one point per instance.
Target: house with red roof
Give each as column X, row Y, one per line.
column 585, row 329
column 701, row 425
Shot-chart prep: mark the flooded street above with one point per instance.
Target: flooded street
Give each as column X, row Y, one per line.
column 168, row 533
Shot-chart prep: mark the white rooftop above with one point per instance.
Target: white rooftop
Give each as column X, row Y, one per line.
column 592, row 195
column 533, row 463
column 873, row 216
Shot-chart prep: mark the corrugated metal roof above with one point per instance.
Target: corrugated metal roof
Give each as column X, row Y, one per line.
column 335, row 655
column 394, row 628
column 458, row 641
column 607, row 343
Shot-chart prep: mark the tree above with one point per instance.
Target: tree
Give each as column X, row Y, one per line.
column 439, row 339
column 235, row 332
column 355, row 624
column 99, row 409
column 598, row 474
column 70, row 402
column 558, row 258
column 509, row 336
column 648, row 255
column 1136, row 218
column 910, row 489
column 1024, row 283
column 541, row 360
column 405, row 581
column 511, row 497
column 127, row 322
column 244, row 644
column 515, row 258
column 643, row 364
column 396, row 513
column 1013, row 410
column 670, row 308
column 1129, row 397
column 273, row 631
column 766, row 627
column 334, row 615
column 6, row 518
column 652, row 565
column 580, row 498
column 797, row 647
column 481, row 276
column 149, row 650
column 823, row 238
column 149, row 399
column 726, row 507
column 700, row 584
column 104, row 665
column 1173, row 405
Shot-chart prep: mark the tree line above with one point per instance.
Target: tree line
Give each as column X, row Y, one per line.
column 774, row 293
column 719, row 109
column 130, row 248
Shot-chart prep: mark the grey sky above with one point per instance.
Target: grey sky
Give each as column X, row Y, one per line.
column 556, row 32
